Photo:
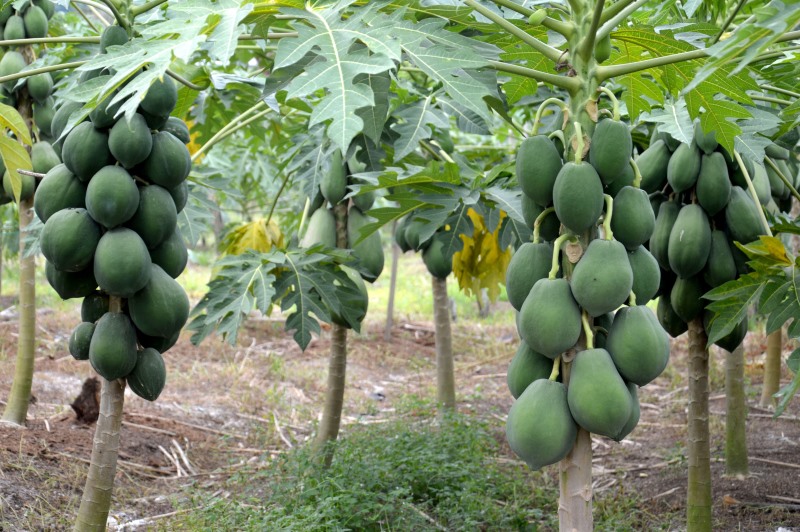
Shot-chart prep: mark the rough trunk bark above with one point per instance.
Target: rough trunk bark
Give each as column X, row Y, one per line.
column 772, row 368
column 96, row 499
column 16, row 410
column 445, row 378
column 736, row 415
column 387, row 332
column 698, row 501
column 334, row 395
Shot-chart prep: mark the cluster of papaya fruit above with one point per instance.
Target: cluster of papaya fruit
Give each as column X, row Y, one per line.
column 704, row 205
column 28, row 21
column 408, row 237
column 567, row 298
column 110, row 221
column 321, row 229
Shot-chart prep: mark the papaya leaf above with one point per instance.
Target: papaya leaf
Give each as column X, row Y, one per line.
column 15, row 157
column 196, row 217
column 752, row 142
column 773, row 296
column 785, row 394
column 224, row 23
column 374, row 117
column 413, row 126
column 11, row 119
column 793, row 362
column 673, row 119
column 731, row 302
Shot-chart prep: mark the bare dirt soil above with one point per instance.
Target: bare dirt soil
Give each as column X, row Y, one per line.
column 223, row 406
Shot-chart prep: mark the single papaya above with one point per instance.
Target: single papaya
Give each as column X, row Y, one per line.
column 112, row 351
column 86, row 151
column 40, row 86
column 414, row 234
column 776, row 184
column 598, row 398
column 80, row 339
column 112, row 36
column 602, row 279
column 646, row 274
column 171, row 254
column 436, row 259
column 733, row 339
column 659, row 242
column 14, row 30
column 334, row 182
column 684, row 167
column 633, row 420
column 400, row 235
column 160, row 308
column 369, row 252
column 638, row 344
column 47, row 6
column 149, row 375
column 43, row 157
column 775, row 151
column 707, row 142
column 539, row 428
column 160, row 344
column 742, row 217
column 178, row 127
column 538, row 164
column 550, row 319
column 61, row 118
column 526, row 367
column 58, row 190
column 689, row 241
column 720, row 267
column 633, row 221
column 69, row 285
column 156, row 217
column 713, row 184
column 180, row 195
column 154, row 121
column 625, row 179
column 578, row 196
column 602, row 49
column 169, row 162
column 610, row 149
column 653, row 163
column 112, row 196
column 686, row 297
column 668, row 318
column 357, row 301
column 69, row 239
column 529, row 263
column 105, row 114
column 761, row 184
column 321, row 229
column 93, row 307
column 130, row 141
column 122, row 265
column 35, row 22
column 364, row 201
column 6, row 13
column 161, row 97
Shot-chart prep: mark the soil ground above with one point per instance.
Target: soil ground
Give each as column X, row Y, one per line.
column 223, row 406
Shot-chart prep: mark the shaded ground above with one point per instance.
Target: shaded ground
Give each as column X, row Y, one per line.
column 224, row 405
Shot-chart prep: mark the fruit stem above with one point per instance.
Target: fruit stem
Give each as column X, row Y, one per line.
column 537, row 225
column 554, row 101
column 753, row 192
column 556, row 366
column 578, row 142
column 183, row 81
column 607, row 217
column 304, row 217
column 560, row 134
column 637, row 175
column 785, row 179
column 556, row 248
column 614, row 101
column 587, row 330
column 632, row 299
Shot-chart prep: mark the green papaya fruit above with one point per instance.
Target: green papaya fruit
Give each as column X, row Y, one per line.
column 602, row 279
column 59, row 189
column 400, row 235
column 112, row 36
column 707, row 142
column 357, row 301
column 105, row 114
column 742, row 217
column 168, row 163
column 171, row 254
column 736, row 174
column 161, row 308
column 602, row 49
column 112, row 196
column 610, row 149
column 733, row 339
column 12, row 62
column 653, row 163
column 539, row 428
column 633, row 221
column 86, row 151
column 364, row 201
column 529, row 263
column 80, row 339
column 713, row 184
column 130, row 141
column 69, row 285
column 14, row 30
column 43, row 157
column 633, row 420
column 638, row 344
column 369, row 252
column 550, row 319
column 28, row 184
column 684, row 167
column 6, row 14
column 436, row 259
column 550, row 224
column 69, row 239
column 47, row 6
column 35, row 22
column 93, row 307
column 720, row 267
column 761, row 184
column 646, row 274
column 625, row 179
column 149, row 375
column 413, row 234
column 156, row 216
column 161, row 97
column 526, row 367
column 671, row 142
column 668, row 318
column 179, row 128
column 61, row 118
column 112, row 351
column 686, row 297
column 122, row 264
column 689, row 241
column 659, row 242
column 538, row 164
column 334, row 182
column 578, row 196
column 597, row 396
column 776, row 184
column 774, row 151
column 40, row 86
column 43, row 113
column 180, row 196
column 321, row 229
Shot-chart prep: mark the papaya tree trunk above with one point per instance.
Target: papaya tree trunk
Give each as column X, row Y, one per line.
column 387, row 332
column 736, row 415
column 96, row 499
column 698, row 501
column 16, row 410
column 337, row 364
column 575, row 479
column 772, row 368
column 2, row 249
column 445, row 378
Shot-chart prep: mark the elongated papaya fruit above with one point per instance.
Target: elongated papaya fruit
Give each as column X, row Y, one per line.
column 653, row 163
column 538, row 163
column 550, row 320
column 633, row 221
column 742, row 217
column 689, row 241
column 578, row 196
column 597, row 396
column 705, row 141
column 638, row 344
column 659, row 242
column 720, row 267
column 529, row 263
column 610, row 150
column 334, row 183
column 602, row 279
column 713, row 184
column 684, row 167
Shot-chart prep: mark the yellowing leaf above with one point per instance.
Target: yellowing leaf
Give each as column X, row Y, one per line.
column 258, row 235
column 481, row 263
